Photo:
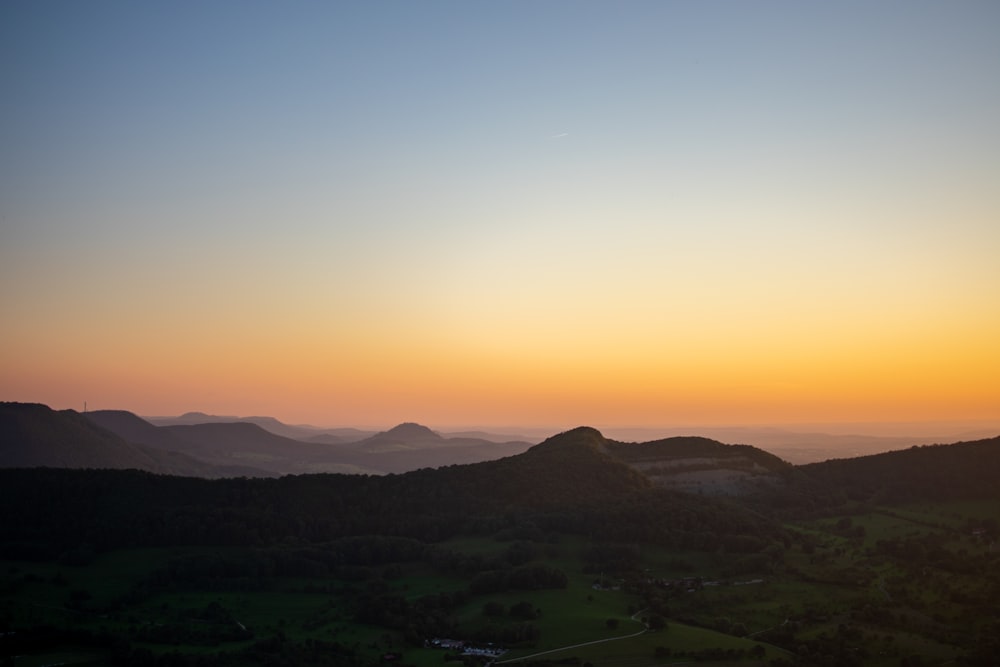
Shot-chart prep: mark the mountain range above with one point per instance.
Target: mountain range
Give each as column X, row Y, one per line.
column 35, row 435
column 576, row 481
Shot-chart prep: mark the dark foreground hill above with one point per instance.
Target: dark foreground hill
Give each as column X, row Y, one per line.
column 577, row 481
column 929, row 473
column 569, row 483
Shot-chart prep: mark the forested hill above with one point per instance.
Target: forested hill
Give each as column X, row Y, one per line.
column 959, row 471
column 33, row 435
column 569, row 483
column 930, row 472
column 694, row 447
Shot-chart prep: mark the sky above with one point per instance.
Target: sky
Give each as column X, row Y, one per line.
column 503, row 213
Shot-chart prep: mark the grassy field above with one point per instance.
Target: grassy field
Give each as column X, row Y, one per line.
column 891, row 582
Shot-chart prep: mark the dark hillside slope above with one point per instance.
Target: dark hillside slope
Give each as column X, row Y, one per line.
column 133, row 428
column 303, row 432
column 250, row 449
column 931, row 472
column 960, row 471
column 568, row 468
column 567, row 483
column 164, row 443
column 406, row 432
column 33, row 435
column 411, row 446
column 243, row 443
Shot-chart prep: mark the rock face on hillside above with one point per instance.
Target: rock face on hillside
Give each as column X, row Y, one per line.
column 700, row 465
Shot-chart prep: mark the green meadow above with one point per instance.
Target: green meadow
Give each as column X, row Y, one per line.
column 874, row 586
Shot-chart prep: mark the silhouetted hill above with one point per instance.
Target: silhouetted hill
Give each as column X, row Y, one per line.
column 347, row 434
column 574, row 465
column 133, row 428
column 494, row 436
column 35, row 435
column 233, row 448
column 959, row 471
column 410, row 446
column 406, row 435
column 407, row 446
column 305, row 433
column 244, row 443
column 930, row 472
column 262, row 453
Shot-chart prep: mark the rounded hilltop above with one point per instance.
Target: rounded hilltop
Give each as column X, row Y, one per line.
column 409, row 431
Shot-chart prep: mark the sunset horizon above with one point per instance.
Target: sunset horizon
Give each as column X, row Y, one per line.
column 633, row 215
column 928, row 429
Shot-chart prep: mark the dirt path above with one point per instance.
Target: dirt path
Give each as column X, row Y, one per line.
column 645, row 629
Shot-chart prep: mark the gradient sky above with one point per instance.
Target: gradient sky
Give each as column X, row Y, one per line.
column 506, row 213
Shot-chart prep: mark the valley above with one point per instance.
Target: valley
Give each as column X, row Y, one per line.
column 579, row 550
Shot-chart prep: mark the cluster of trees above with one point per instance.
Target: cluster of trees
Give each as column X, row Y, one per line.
column 428, row 616
column 511, row 634
column 274, row 651
column 526, row 578
column 209, row 626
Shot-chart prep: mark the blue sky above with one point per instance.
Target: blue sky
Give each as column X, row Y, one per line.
column 757, row 193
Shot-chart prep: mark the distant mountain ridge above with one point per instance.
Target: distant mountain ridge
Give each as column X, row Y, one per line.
column 240, row 443
column 34, row 435
column 407, row 431
column 222, row 448
column 576, row 481
column 296, row 432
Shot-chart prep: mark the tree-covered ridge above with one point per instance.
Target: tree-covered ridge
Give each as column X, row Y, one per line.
column 566, row 484
column 700, row 465
column 959, row 471
column 694, row 447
